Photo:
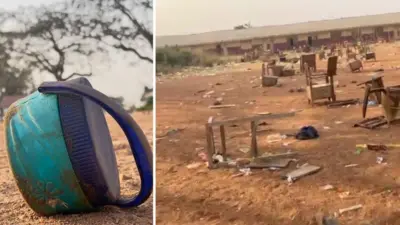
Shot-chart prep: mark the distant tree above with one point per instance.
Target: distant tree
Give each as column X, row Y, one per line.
column 147, row 106
column 13, row 81
column 219, row 49
column 147, row 93
column 242, row 26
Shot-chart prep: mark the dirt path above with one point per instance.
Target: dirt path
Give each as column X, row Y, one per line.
column 200, row 196
column 14, row 210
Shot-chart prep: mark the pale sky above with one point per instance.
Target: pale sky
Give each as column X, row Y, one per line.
column 195, row 16
column 115, row 77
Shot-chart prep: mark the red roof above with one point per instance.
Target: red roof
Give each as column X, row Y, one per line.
column 8, row 100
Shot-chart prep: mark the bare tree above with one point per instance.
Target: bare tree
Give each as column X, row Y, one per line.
column 13, row 81
column 122, row 24
column 49, row 41
column 147, row 93
column 54, row 39
column 243, row 26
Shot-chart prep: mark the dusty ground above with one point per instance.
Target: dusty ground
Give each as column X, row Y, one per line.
column 14, row 210
column 200, row 196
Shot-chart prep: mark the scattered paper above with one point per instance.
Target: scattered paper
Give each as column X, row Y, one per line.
column 288, row 143
column 244, row 150
column 344, row 195
column 194, row 165
column 350, row 165
column 275, row 138
column 355, row 207
column 202, row 156
column 302, row 171
column 327, row 187
column 264, row 113
column 221, row 106
column 245, row 171
column 199, row 149
column 218, row 158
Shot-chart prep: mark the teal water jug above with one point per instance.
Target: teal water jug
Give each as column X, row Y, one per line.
column 61, row 153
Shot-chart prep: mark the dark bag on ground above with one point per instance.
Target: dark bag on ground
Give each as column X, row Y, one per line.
column 307, row 132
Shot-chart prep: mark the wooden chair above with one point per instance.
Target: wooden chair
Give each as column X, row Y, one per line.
column 356, row 65
column 390, row 102
column 266, row 66
column 321, row 55
column 375, row 83
column 310, row 59
column 319, row 86
column 370, row 55
column 276, row 70
column 267, row 81
column 351, row 56
column 332, row 66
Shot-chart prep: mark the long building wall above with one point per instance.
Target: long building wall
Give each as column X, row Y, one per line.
column 275, row 44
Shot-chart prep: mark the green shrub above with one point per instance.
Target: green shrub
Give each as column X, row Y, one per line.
column 148, row 106
column 170, row 58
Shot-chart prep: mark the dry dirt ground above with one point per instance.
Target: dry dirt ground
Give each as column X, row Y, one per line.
column 14, row 210
column 201, row 196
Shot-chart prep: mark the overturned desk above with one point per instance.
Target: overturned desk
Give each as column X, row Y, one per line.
column 375, row 82
column 221, row 124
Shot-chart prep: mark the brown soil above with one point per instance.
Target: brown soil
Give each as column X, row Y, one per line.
column 202, row 196
column 14, row 210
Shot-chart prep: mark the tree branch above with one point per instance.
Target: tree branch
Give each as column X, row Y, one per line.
column 143, row 31
column 71, row 45
column 44, row 63
column 128, row 49
column 76, row 74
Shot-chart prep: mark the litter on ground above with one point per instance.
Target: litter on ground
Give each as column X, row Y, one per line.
column 301, row 172
column 351, row 208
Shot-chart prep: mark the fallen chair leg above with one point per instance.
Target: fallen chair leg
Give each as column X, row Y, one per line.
column 365, row 102
column 223, row 141
column 254, row 150
column 210, row 146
